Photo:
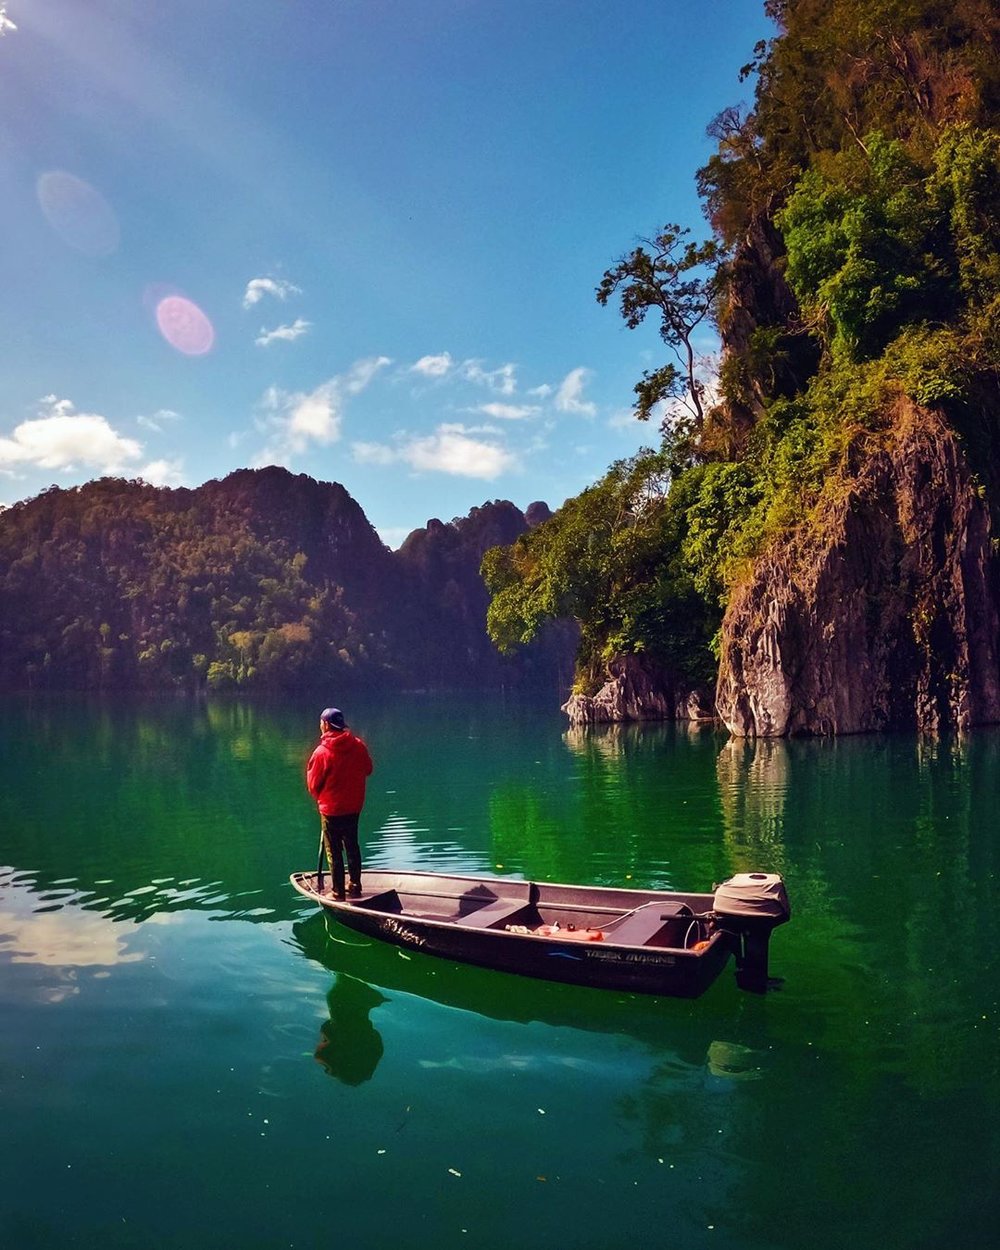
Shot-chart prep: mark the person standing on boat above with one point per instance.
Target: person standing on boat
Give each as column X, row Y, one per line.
column 336, row 776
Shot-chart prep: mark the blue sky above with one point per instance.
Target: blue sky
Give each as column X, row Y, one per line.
column 356, row 237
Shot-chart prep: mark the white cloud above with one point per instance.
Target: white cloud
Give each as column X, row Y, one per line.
column 508, row 412
column 374, row 453
column 450, row 449
column 569, row 395
column 393, row 535
column 541, row 392
column 61, row 438
column 257, row 288
column 296, row 419
column 157, row 420
column 5, row 23
column 502, row 380
column 623, row 419
column 433, row 366
column 283, row 334
column 163, row 473
column 361, row 373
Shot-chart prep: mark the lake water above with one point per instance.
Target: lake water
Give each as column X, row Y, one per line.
column 191, row 1056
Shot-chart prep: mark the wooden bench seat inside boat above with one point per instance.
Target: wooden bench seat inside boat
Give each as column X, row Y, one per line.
column 386, row 900
column 646, row 923
column 500, row 911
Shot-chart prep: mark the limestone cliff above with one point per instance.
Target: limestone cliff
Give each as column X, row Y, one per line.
column 880, row 611
column 639, row 688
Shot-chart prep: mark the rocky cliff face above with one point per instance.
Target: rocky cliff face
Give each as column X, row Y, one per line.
column 439, row 564
column 640, row 689
column 883, row 611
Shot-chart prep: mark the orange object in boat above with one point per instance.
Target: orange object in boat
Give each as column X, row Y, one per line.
column 569, row 935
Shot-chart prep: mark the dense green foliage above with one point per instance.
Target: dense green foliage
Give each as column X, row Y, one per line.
column 856, row 209
column 613, row 558
column 261, row 581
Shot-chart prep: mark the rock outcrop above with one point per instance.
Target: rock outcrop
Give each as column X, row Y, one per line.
column 639, row 688
column 882, row 610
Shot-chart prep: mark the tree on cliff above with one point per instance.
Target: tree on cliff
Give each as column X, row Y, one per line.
column 677, row 280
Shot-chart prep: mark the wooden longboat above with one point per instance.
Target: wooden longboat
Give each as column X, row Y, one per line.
column 646, row 941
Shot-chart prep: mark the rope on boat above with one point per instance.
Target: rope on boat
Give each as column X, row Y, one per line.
column 339, row 941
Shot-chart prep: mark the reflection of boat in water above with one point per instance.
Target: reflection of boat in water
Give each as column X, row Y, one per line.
column 647, row 941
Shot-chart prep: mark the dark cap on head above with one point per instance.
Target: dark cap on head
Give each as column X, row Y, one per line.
column 334, row 717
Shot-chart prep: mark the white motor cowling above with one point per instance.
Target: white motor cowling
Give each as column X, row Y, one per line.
column 753, row 894
column 748, row 907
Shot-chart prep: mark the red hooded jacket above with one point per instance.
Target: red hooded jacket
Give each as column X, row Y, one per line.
column 337, row 771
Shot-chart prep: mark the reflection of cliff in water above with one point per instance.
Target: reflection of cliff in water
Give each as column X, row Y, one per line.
column 753, row 780
column 889, row 847
column 637, row 806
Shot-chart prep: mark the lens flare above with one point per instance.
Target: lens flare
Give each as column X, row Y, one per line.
column 184, row 325
column 78, row 213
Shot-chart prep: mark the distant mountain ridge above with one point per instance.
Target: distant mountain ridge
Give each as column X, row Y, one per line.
column 262, row 580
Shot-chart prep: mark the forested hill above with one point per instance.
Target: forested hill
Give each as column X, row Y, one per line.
column 262, row 581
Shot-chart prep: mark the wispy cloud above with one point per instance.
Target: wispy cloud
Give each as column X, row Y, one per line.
column 433, row 366
column 569, row 395
column 509, row 412
column 296, row 419
column 502, row 380
column 362, row 372
column 6, row 24
column 62, row 438
column 450, row 449
column 157, row 421
column 257, row 288
column 283, row 334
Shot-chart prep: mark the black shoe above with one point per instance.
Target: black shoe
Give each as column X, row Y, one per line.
column 338, row 895
column 354, row 889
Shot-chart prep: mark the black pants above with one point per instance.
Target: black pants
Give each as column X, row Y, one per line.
column 340, row 837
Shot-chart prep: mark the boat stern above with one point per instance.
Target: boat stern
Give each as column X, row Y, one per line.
column 749, row 907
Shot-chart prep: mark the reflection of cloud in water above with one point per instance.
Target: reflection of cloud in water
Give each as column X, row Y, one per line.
column 485, row 1064
column 65, row 938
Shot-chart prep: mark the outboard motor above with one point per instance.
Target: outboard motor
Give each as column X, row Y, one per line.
column 748, row 907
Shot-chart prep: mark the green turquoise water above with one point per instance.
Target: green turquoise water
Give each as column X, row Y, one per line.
column 190, row 1056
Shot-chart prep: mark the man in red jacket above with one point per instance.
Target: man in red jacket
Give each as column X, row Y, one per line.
column 336, row 776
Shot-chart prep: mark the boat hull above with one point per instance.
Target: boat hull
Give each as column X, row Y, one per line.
column 465, row 931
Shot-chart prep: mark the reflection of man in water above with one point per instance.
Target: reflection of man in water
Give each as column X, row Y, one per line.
column 350, row 1046
column 336, row 776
